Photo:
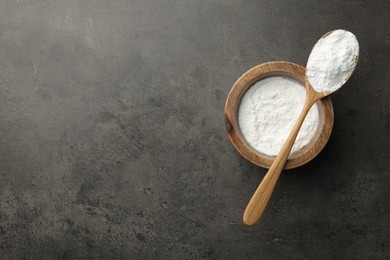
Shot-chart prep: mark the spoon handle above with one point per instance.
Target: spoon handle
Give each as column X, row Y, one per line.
column 256, row 206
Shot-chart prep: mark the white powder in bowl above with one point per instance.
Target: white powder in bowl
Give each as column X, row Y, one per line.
column 332, row 61
column 268, row 112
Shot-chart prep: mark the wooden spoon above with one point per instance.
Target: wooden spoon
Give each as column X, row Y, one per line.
column 260, row 198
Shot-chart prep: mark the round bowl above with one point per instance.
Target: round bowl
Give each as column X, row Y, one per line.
column 270, row 69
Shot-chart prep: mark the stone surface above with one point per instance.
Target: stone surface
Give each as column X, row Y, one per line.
column 113, row 143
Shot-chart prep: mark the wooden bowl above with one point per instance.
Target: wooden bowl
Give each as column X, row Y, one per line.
column 269, row 69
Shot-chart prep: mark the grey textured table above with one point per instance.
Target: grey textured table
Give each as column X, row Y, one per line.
column 112, row 140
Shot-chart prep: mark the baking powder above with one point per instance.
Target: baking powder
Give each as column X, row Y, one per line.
column 268, row 112
column 332, row 61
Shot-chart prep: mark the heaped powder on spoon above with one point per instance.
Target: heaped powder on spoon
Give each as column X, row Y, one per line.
column 332, row 61
column 268, row 112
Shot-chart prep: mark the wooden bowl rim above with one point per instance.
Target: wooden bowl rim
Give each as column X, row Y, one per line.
column 269, row 69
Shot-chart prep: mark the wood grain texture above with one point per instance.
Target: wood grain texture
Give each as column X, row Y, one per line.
column 275, row 68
